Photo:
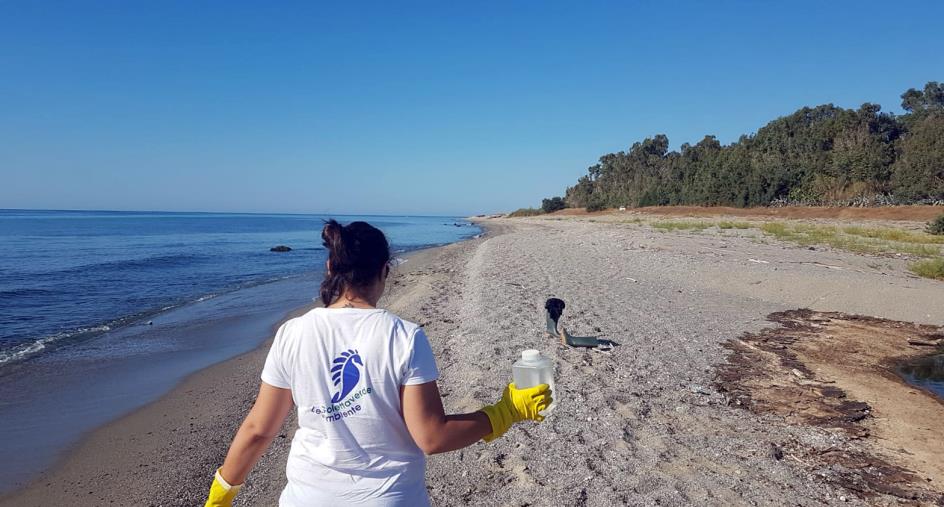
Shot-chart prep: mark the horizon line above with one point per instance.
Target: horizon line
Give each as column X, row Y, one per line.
column 347, row 214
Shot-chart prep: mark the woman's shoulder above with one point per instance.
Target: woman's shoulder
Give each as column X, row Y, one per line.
column 388, row 318
column 295, row 325
column 409, row 327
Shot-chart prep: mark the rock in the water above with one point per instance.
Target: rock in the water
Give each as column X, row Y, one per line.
column 280, row 248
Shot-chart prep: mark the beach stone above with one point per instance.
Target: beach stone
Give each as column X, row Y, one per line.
column 697, row 389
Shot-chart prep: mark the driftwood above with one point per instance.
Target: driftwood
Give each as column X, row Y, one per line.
column 923, row 343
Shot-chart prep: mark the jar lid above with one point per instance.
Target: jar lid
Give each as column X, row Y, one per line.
column 530, row 355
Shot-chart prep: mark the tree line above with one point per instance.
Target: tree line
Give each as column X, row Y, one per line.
column 817, row 155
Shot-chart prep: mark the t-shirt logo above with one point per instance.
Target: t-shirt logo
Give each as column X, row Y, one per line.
column 345, row 373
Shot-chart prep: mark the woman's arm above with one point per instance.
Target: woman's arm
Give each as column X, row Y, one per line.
column 256, row 433
column 433, row 430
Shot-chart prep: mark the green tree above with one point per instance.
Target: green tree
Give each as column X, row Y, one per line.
column 553, row 204
column 822, row 154
column 931, row 99
column 919, row 170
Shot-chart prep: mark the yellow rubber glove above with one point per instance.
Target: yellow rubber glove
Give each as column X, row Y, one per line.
column 517, row 405
column 221, row 492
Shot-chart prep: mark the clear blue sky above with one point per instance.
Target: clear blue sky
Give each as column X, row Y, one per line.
column 401, row 107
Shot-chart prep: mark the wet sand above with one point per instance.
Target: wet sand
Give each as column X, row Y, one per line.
column 645, row 424
column 838, row 372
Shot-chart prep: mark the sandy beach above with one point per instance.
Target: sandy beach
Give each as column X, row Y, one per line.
column 653, row 422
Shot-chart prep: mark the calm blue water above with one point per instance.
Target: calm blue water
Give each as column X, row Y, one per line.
column 69, row 276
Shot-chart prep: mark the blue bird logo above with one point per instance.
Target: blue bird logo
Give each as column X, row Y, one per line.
column 345, row 374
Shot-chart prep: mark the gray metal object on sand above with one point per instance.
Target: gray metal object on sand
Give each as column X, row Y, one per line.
column 553, row 310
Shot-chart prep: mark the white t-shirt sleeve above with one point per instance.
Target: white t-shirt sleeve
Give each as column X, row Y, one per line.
column 421, row 365
column 274, row 372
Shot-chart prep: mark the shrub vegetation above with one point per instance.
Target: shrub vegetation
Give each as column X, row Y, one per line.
column 525, row 212
column 553, row 204
column 936, row 226
column 929, row 268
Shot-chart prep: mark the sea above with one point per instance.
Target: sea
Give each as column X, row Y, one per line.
column 102, row 312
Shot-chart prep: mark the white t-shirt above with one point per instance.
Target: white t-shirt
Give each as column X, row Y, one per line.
column 345, row 367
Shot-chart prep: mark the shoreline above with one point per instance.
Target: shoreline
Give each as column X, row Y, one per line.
column 136, row 433
column 211, row 400
column 50, row 402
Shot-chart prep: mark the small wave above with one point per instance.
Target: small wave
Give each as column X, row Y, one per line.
column 21, row 293
column 154, row 261
column 27, row 350
column 24, row 351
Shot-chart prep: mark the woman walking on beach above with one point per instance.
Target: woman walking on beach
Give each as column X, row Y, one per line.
column 364, row 382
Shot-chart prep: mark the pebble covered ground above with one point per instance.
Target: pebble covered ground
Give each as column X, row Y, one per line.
column 640, row 425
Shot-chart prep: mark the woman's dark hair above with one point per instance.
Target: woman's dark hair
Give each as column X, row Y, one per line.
column 357, row 254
